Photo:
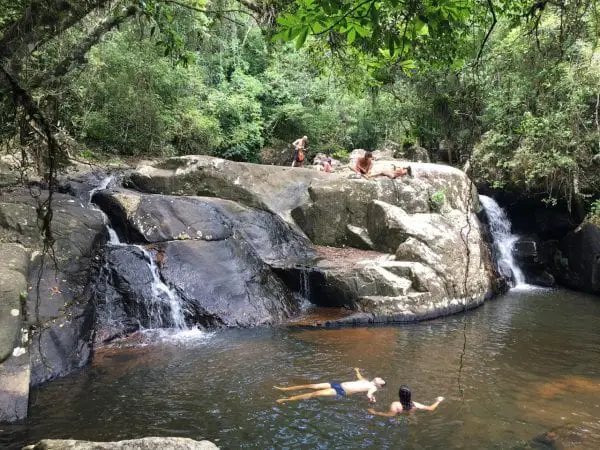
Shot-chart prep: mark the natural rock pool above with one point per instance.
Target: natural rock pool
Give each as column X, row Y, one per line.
column 531, row 363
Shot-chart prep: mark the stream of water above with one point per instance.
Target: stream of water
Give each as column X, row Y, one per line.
column 532, row 363
column 504, row 240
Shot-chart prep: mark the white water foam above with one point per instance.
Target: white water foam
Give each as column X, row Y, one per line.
column 103, row 185
column 187, row 337
column 160, row 290
column 504, row 239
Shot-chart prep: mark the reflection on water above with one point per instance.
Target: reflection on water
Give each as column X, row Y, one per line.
column 531, row 364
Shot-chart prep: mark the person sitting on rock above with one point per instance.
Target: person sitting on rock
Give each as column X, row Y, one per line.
column 332, row 389
column 326, row 163
column 395, row 173
column 405, row 404
column 299, row 149
column 364, row 165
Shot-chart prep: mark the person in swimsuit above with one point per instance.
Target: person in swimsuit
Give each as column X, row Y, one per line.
column 364, row 164
column 332, row 389
column 299, row 150
column 405, row 404
column 395, row 173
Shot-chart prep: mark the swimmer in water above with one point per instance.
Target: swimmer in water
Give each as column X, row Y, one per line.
column 332, row 389
column 406, row 404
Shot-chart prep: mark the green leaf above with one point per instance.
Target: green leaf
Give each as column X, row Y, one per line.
column 351, row 36
column 391, row 46
column 301, row 38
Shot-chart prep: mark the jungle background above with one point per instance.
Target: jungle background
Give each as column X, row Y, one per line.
column 507, row 89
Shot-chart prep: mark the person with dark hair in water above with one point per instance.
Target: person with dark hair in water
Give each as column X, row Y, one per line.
column 406, row 404
column 332, row 389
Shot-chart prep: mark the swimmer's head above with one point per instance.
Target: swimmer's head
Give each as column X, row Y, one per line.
column 405, row 395
column 378, row 382
column 368, row 154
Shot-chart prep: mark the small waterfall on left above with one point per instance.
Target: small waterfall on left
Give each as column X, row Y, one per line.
column 134, row 295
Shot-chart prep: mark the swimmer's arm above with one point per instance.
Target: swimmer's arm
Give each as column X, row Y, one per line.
column 358, row 375
column 370, row 395
column 429, row 408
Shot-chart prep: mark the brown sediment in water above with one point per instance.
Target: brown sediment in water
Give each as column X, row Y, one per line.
column 568, row 384
column 368, row 345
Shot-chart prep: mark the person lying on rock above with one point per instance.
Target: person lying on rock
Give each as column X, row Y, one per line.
column 364, row 165
column 332, row 389
column 395, row 173
column 405, row 404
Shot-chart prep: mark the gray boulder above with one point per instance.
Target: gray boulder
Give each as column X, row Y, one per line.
column 426, row 221
column 272, row 188
column 576, row 263
column 14, row 356
column 214, row 255
column 58, row 303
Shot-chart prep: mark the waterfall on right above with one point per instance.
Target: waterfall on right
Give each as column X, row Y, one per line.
column 503, row 240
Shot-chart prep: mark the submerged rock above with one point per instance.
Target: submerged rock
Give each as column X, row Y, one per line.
column 570, row 436
column 149, row 443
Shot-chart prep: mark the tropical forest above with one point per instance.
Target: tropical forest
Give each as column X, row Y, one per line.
column 268, row 223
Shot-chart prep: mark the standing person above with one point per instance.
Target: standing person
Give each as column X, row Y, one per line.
column 405, row 404
column 364, row 164
column 299, row 149
column 332, row 389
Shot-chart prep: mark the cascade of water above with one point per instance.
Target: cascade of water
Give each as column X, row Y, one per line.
column 103, row 185
column 160, row 290
column 163, row 297
column 500, row 229
column 304, row 284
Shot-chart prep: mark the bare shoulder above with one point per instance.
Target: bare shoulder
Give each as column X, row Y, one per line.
column 396, row 407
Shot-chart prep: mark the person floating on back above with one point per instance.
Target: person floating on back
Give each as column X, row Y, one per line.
column 364, row 164
column 299, row 149
column 405, row 404
column 332, row 389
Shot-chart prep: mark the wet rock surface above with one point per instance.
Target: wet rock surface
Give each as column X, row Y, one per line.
column 576, row 263
column 14, row 357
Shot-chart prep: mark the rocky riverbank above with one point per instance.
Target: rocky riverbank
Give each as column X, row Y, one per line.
column 203, row 242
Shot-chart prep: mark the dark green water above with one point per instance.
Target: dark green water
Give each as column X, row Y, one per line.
column 532, row 362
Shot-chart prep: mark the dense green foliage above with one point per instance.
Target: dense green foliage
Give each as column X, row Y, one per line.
column 236, row 97
column 509, row 86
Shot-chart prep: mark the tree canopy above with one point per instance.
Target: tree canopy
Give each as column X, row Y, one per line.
column 509, row 85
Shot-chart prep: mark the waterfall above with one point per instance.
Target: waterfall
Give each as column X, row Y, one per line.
column 500, row 229
column 162, row 292
column 305, row 284
column 163, row 297
column 103, row 185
